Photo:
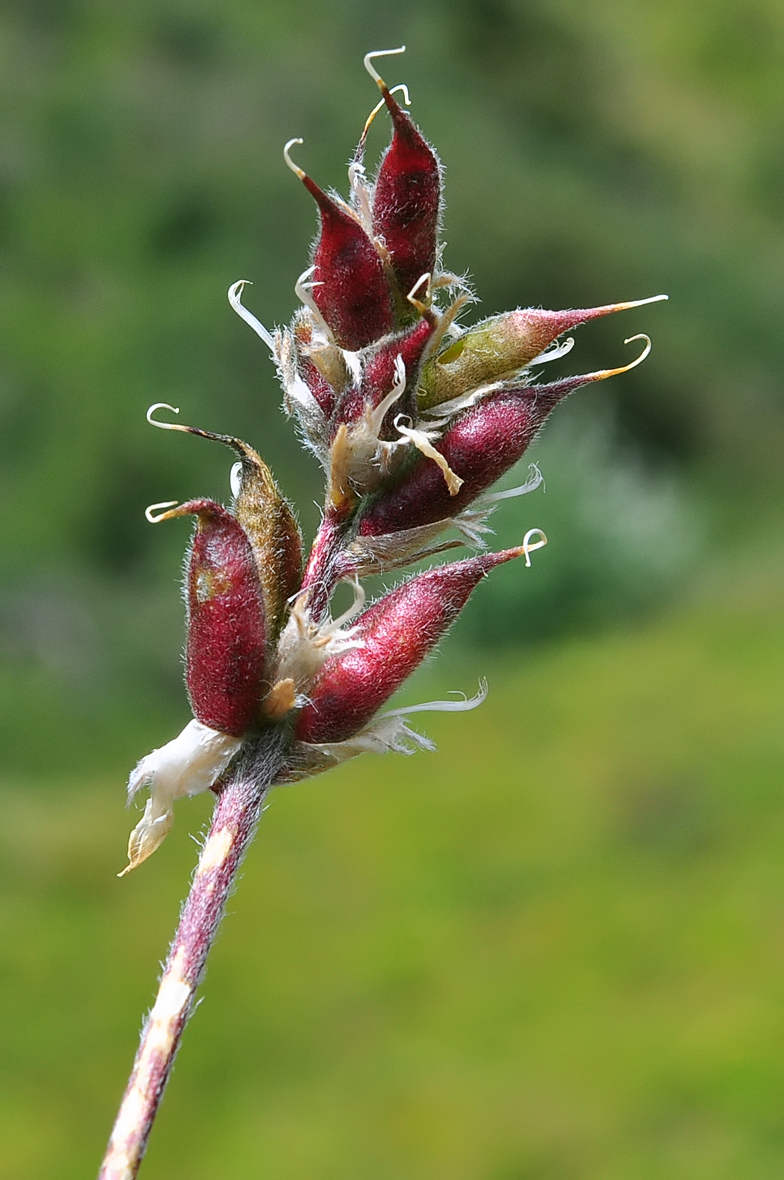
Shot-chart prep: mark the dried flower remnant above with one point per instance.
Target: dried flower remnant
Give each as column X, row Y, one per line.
column 413, row 418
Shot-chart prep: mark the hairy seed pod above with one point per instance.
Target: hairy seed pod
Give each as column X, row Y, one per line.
column 501, row 346
column 413, row 418
column 406, row 200
column 273, row 532
column 350, row 287
column 410, row 346
column 480, row 446
column 225, row 655
column 268, row 522
column 395, row 635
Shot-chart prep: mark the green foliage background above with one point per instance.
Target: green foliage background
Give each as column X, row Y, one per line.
column 553, row 949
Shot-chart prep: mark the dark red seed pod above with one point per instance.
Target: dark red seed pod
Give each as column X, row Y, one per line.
column 396, row 634
column 406, row 199
column 226, row 627
column 350, row 287
column 479, row 446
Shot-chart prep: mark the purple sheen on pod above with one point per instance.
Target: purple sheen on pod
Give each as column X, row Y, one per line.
column 396, row 634
column 540, row 328
column 399, row 416
column 226, row 646
column 406, row 199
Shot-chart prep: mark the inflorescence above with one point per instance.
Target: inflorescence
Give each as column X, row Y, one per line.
column 413, row 417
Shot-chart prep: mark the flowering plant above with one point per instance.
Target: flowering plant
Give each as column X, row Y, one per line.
column 413, row 417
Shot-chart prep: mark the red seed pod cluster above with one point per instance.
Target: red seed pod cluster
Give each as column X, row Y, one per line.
column 414, row 417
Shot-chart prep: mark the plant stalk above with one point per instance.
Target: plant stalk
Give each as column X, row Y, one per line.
column 233, row 826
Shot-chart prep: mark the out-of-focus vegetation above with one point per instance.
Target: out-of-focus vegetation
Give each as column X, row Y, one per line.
column 592, row 153
column 552, row 950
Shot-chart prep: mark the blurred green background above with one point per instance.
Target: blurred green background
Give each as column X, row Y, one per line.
column 555, row 949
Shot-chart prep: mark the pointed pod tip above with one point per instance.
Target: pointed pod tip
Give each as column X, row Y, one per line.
column 328, row 205
column 554, row 323
column 592, row 313
column 569, row 384
column 317, row 193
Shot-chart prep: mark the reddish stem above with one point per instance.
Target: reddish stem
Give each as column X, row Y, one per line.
column 233, row 826
column 323, row 569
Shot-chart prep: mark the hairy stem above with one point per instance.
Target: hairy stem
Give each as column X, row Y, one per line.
column 321, row 572
column 233, row 826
